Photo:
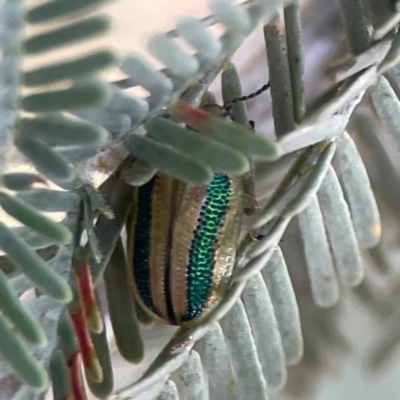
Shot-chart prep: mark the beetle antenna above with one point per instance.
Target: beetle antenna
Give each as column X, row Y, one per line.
column 228, row 105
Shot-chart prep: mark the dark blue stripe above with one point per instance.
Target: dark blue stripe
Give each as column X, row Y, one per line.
column 141, row 254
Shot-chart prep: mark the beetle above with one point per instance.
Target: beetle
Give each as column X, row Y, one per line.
column 182, row 245
column 182, row 241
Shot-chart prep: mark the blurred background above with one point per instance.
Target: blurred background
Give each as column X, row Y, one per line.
column 351, row 350
column 339, row 342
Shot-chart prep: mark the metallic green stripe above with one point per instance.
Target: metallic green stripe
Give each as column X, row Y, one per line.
column 201, row 259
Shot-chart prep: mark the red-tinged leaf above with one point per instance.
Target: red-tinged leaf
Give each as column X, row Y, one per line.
column 75, row 373
column 86, row 291
column 89, row 357
column 193, row 116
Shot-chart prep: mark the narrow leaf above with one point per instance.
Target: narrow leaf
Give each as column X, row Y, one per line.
column 387, row 105
column 103, row 388
column 363, row 207
column 60, row 378
column 226, row 132
column 198, row 147
column 139, row 173
column 144, row 74
column 295, row 57
column 323, row 280
column 143, row 317
column 280, row 79
column 40, row 273
column 21, row 181
column 50, row 200
column 231, row 89
column 192, row 376
column 86, row 290
column 283, row 298
column 216, row 361
column 122, row 307
column 83, row 67
column 56, row 9
column 57, row 130
column 250, row 382
column 232, row 17
column 169, row 392
column 356, row 28
column 127, row 103
column 260, row 313
column 197, row 34
column 11, row 307
column 29, row 216
column 340, row 230
column 77, row 382
column 82, row 95
column 115, row 122
column 166, row 50
column 78, row 31
column 168, row 160
column 88, row 353
column 45, row 159
column 25, row 365
column 68, row 339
